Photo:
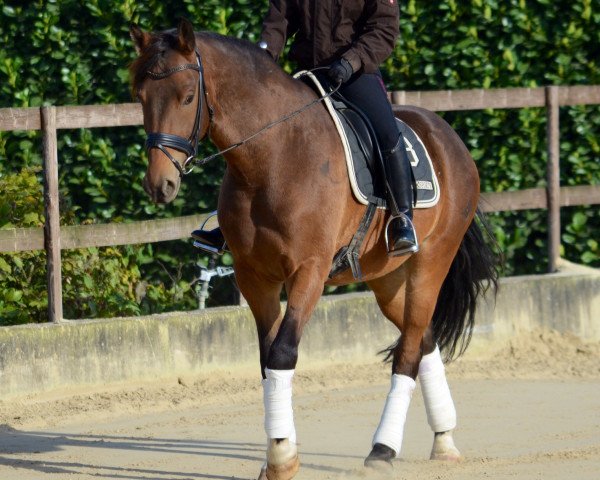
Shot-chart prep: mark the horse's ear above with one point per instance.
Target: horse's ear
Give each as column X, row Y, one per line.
column 140, row 38
column 185, row 36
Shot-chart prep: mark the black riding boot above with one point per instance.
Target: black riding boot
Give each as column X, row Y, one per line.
column 400, row 234
column 210, row 240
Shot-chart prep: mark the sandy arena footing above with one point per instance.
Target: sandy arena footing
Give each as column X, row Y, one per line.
column 528, row 410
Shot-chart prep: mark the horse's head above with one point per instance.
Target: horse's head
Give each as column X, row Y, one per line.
column 167, row 79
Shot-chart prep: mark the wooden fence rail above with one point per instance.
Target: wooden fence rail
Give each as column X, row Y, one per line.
column 53, row 237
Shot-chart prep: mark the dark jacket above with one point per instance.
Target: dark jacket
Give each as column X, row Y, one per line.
column 364, row 32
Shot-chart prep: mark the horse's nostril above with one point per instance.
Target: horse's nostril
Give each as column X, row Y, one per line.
column 168, row 188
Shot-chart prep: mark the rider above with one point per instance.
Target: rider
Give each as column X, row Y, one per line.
column 350, row 38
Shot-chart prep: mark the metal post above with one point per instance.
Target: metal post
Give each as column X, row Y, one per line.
column 553, row 177
column 52, row 215
column 206, row 275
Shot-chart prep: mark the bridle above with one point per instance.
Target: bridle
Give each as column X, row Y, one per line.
column 189, row 145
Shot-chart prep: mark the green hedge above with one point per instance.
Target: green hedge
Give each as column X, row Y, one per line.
column 67, row 52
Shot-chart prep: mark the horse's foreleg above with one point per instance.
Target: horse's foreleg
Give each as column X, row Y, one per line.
column 264, row 300
column 441, row 413
column 282, row 453
column 304, row 290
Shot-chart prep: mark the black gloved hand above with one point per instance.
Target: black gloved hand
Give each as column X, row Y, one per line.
column 340, row 71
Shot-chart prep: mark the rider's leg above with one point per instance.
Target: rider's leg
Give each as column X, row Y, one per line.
column 400, row 233
column 368, row 93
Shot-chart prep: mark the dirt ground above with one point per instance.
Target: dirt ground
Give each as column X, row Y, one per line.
column 528, row 410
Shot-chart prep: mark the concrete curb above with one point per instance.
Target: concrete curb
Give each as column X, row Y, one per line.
column 39, row 358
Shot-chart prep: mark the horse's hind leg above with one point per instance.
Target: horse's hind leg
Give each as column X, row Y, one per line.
column 408, row 299
column 390, row 293
column 441, row 413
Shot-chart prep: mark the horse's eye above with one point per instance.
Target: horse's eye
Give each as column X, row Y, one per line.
column 188, row 99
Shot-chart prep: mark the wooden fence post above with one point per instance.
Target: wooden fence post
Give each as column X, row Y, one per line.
column 553, row 177
column 52, row 215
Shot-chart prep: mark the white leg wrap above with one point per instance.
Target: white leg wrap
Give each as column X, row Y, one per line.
column 391, row 427
column 277, row 396
column 441, row 413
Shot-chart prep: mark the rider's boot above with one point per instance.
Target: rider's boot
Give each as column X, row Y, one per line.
column 400, row 234
column 211, row 240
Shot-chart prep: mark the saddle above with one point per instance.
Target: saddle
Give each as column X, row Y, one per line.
column 365, row 172
column 363, row 156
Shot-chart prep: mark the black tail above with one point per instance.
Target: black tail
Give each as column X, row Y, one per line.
column 473, row 272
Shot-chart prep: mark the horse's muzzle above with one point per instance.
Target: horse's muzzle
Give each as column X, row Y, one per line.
column 165, row 192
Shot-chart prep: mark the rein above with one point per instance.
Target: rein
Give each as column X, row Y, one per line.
column 282, row 119
column 190, row 145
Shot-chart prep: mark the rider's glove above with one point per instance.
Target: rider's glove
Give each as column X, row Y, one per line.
column 340, row 71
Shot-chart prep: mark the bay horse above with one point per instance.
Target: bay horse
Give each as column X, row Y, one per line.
column 285, row 208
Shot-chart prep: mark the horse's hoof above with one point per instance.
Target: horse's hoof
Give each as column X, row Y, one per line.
column 283, row 472
column 444, row 448
column 282, row 460
column 380, row 458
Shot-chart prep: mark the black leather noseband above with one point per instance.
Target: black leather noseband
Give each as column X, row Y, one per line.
column 189, row 145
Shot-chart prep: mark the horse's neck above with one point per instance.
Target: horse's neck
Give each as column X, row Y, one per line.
column 250, row 96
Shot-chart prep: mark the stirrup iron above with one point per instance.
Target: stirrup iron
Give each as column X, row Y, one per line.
column 409, row 225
